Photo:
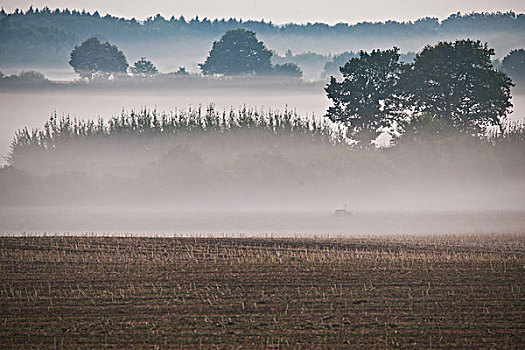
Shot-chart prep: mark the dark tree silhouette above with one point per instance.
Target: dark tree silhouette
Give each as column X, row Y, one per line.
column 238, row 52
column 143, row 67
column 332, row 67
column 92, row 58
column 182, row 71
column 457, row 82
column 366, row 98
column 287, row 70
column 514, row 64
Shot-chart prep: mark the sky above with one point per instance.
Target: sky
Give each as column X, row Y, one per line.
column 280, row 11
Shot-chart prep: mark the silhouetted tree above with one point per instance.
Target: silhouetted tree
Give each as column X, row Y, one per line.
column 143, row 67
column 366, row 98
column 456, row 81
column 514, row 64
column 238, row 52
column 92, row 57
column 29, row 78
column 287, row 70
column 333, row 67
column 423, row 127
column 182, row 71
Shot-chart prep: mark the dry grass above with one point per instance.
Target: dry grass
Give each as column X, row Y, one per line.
column 417, row 292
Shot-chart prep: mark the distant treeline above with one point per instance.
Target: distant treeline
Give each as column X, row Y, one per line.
column 45, row 36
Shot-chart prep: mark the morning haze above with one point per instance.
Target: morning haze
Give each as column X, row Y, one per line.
column 249, row 174
column 236, row 115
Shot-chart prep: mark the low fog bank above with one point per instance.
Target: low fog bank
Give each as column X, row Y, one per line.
column 209, row 160
column 223, row 223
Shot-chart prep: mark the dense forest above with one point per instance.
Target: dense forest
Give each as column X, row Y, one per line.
column 46, row 37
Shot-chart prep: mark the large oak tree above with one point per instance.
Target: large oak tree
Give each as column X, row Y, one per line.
column 457, row 83
column 453, row 83
column 93, row 57
column 238, row 52
column 366, row 98
column 514, row 65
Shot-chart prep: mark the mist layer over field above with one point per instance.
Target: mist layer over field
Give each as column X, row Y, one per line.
column 228, row 223
column 209, row 168
column 247, row 181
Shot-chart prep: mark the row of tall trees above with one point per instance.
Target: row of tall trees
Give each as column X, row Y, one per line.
column 93, row 57
column 62, row 131
column 450, row 85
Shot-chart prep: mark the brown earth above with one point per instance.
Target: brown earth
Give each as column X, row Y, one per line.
column 408, row 292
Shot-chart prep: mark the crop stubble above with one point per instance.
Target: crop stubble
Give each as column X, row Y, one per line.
column 121, row 292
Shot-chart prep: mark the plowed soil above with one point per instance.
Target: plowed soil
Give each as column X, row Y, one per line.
column 127, row 292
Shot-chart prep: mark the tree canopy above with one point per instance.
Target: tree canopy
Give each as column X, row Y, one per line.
column 366, row 97
column 93, row 57
column 454, row 83
column 457, row 82
column 287, row 70
column 514, row 64
column 238, row 52
column 143, row 67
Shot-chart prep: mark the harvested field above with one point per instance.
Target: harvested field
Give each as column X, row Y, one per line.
column 124, row 292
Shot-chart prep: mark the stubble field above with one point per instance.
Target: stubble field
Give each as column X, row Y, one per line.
column 130, row 292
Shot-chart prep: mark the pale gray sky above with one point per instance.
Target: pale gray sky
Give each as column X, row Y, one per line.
column 280, row 11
